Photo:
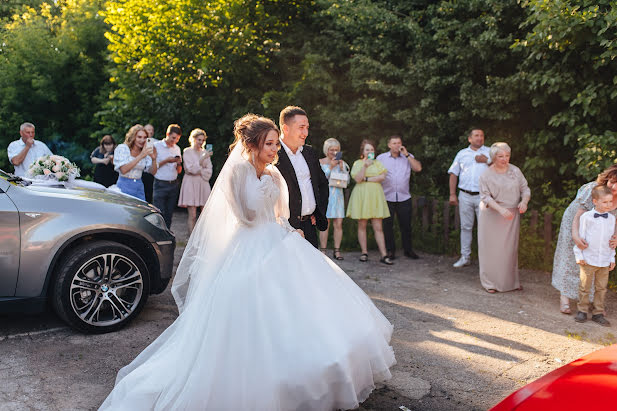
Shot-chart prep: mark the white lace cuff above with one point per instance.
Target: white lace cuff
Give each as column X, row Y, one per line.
column 285, row 224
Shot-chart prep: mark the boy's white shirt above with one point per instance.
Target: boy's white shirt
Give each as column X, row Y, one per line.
column 597, row 232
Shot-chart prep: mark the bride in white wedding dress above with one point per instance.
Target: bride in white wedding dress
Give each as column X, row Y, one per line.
column 267, row 322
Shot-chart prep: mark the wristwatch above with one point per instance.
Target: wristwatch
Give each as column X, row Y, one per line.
column 407, row 156
column 366, row 179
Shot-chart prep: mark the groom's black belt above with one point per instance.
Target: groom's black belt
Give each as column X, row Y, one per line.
column 304, row 217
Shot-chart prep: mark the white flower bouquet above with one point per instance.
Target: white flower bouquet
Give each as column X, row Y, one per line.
column 53, row 167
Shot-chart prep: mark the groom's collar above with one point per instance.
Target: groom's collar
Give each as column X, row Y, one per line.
column 288, row 150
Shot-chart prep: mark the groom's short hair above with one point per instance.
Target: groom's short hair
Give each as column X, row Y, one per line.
column 288, row 113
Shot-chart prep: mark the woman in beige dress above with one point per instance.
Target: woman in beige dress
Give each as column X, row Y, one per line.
column 197, row 172
column 504, row 193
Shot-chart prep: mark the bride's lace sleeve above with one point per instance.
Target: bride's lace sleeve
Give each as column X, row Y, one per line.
column 281, row 209
column 236, row 194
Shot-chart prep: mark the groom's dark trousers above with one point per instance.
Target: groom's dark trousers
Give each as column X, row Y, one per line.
column 320, row 190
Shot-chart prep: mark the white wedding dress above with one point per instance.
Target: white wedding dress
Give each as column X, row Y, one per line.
column 267, row 322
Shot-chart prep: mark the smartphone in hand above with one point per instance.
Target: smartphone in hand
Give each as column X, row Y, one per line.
column 209, row 147
column 370, row 156
column 149, row 142
column 339, row 155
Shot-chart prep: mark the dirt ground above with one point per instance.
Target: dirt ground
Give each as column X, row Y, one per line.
column 457, row 347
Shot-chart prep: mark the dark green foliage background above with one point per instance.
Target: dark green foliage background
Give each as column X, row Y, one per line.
column 538, row 74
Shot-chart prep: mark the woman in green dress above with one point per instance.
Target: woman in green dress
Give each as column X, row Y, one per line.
column 367, row 201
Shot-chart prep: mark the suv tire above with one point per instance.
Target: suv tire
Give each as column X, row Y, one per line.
column 100, row 287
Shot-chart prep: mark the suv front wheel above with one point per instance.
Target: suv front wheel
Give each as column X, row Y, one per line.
column 100, row 287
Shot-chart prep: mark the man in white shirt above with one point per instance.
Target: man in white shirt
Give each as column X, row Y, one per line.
column 596, row 227
column 306, row 182
column 467, row 167
column 169, row 159
column 25, row 151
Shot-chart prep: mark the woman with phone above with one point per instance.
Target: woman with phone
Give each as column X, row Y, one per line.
column 367, row 201
column 195, row 188
column 130, row 160
column 333, row 162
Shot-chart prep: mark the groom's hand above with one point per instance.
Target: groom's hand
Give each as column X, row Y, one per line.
column 313, row 220
column 300, row 232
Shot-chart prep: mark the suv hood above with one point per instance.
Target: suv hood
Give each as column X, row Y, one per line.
column 80, row 193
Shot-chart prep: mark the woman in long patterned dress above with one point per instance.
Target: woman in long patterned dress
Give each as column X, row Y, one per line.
column 504, row 195
column 197, row 172
column 336, row 200
column 565, row 270
column 367, row 200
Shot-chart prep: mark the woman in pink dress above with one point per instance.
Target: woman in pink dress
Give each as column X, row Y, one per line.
column 197, row 172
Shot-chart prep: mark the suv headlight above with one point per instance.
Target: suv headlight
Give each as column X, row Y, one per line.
column 156, row 220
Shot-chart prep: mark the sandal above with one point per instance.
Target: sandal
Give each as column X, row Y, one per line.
column 491, row 290
column 323, row 249
column 564, row 307
column 364, row 257
column 337, row 254
column 386, row 260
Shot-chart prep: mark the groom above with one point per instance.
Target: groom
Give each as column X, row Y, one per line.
column 306, row 182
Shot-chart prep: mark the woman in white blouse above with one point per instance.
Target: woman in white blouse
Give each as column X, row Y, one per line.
column 197, row 172
column 131, row 159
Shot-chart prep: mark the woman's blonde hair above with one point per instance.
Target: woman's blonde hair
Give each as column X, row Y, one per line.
column 129, row 139
column 607, row 176
column 329, row 143
column 497, row 147
column 196, row 132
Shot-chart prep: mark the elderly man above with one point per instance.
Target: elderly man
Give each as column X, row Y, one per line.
column 25, row 151
column 399, row 164
column 467, row 167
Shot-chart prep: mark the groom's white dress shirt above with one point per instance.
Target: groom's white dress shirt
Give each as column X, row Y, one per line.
column 597, row 232
column 303, row 175
column 38, row 149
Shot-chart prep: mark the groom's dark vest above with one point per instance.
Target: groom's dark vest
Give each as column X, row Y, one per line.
column 318, row 181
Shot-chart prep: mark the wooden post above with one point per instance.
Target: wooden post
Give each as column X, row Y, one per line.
column 434, row 216
column 424, row 205
column 548, row 236
column 533, row 222
column 457, row 218
column 446, row 225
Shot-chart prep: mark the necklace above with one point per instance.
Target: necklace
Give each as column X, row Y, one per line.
column 258, row 169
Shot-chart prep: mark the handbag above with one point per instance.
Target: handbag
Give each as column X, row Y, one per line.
column 339, row 178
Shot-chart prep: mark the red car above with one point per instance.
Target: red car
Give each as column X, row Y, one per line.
column 587, row 383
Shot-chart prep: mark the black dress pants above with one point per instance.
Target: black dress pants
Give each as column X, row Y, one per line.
column 402, row 210
column 310, row 231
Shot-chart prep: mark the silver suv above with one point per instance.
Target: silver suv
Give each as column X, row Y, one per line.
column 94, row 255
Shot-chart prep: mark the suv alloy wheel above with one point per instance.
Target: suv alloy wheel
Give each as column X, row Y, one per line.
column 100, row 287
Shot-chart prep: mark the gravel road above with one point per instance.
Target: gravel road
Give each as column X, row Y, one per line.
column 457, row 347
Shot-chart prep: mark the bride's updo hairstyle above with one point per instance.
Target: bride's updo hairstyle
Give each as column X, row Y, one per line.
column 251, row 131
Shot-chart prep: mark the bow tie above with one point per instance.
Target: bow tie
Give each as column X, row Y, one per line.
column 596, row 215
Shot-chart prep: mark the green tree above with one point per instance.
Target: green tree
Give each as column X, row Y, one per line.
column 53, row 74
column 426, row 70
column 571, row 72
column 201, row 64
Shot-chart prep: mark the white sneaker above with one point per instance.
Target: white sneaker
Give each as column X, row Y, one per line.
column 463, row 261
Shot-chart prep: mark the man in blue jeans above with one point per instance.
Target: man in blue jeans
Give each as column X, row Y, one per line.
column 166, row 185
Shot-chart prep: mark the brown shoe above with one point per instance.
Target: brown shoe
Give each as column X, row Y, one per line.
column 581, row 317
column 599, row 318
